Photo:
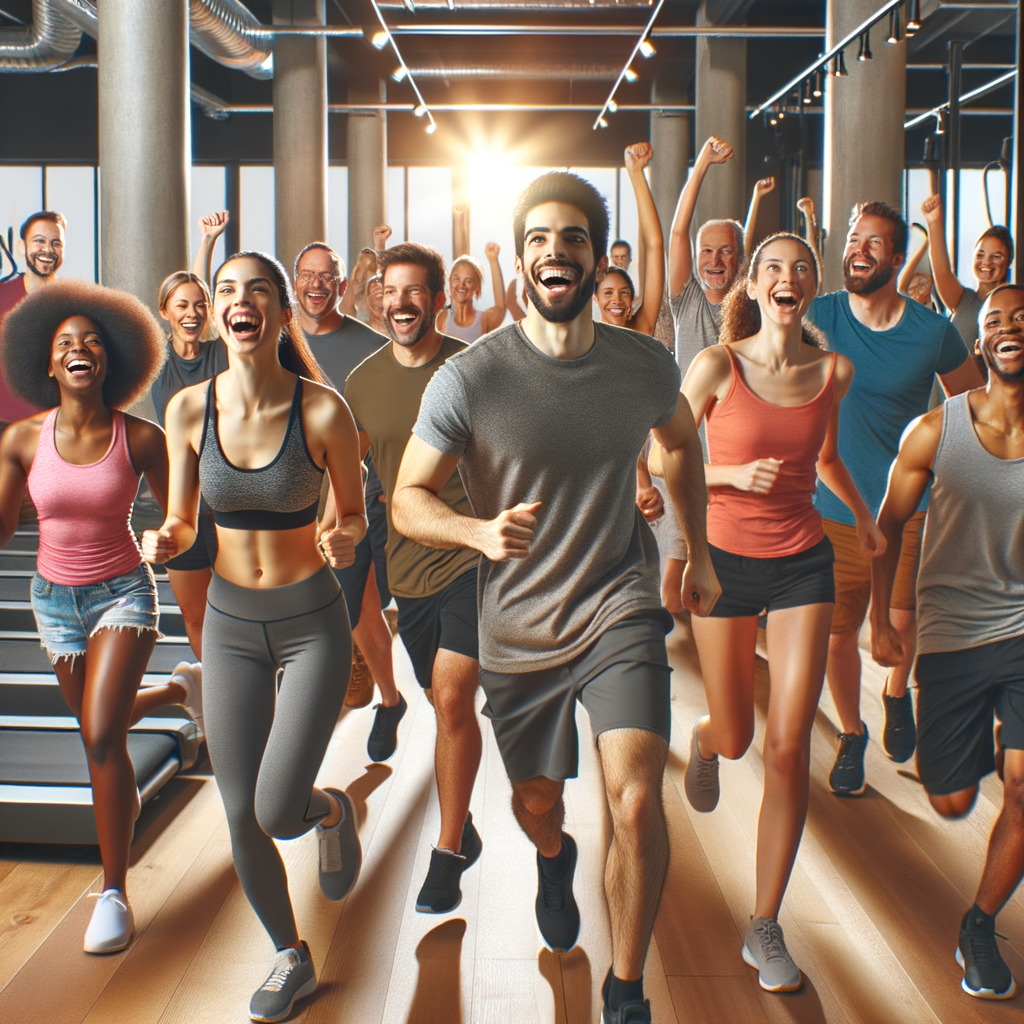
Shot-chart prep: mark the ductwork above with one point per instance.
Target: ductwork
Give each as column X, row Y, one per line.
column 48, row 42
column 223, row 30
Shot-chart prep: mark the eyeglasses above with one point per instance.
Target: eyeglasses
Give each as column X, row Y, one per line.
column 309, row 276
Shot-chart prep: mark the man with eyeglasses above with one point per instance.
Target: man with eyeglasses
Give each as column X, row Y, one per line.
column 340, row 343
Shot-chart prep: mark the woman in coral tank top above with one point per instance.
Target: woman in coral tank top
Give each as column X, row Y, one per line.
column 770, row 396
column 84, row 353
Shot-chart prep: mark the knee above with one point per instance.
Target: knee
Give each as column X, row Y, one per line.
column 454, row 705
column 537, row 799
column 103, row 743
column 279, row 816
column 734, row 741
column 954, row 805
column 1013, row 791
column 840, row 644
column 786, row 756
column 636, row 807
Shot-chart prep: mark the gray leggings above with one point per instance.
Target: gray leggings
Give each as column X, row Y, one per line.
column 266, row 742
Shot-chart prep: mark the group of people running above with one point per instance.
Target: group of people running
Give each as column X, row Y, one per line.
column 498, row 483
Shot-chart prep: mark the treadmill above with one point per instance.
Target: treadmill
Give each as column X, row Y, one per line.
column 45, row 796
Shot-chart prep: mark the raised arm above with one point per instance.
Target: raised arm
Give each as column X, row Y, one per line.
column 211, row 227
column 652, row 241
column 910, row 267
column 493, row 317
column 365, row 268
column 680, row 251
column 761, row 189
column 806, row 207
column 908, row 478
column 950, row 290
column 512, row 301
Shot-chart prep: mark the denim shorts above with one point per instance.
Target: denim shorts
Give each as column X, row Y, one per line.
column 67, row 616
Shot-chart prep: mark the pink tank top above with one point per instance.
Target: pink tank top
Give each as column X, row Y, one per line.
column 743, row 427
column 84, row 511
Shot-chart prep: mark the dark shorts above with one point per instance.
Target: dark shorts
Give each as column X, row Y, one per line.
column 958, row 692
column 622, row 679
column 369, row 552
column 203, row 552
column 751, row 585
column 446, row 619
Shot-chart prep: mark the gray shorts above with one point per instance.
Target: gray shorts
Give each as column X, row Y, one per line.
column 667, row 531
column 622, row 679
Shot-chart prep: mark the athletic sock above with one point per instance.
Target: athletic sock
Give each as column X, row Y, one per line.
column 617, row 991
column 978, row 916
column 555, row 867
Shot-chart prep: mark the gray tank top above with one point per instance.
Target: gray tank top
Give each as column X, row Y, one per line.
column 970, row 589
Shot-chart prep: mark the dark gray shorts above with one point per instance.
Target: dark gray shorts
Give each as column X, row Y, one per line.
column 622, row 679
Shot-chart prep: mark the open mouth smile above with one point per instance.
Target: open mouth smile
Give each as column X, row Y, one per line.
column 78, row 367
column 557, row 278
column 244, row 326
column 785, row 299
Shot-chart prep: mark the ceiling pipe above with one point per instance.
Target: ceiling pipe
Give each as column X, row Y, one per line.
column 48, row 42
column 228, row 32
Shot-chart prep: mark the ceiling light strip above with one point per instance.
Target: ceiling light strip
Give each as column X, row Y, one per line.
column 974, row 94
column 625, row 67
column 432, row 125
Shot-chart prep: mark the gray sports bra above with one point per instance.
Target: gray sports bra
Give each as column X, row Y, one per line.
column 282, row 495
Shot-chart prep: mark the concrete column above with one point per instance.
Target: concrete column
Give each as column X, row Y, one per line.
column 721, row 99
column 670, row 141
column 145, row 144
column 300, row 131
column 864, row 136
column 367, row 169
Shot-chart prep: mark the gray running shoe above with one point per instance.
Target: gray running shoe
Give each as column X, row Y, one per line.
column 701, row 777
column 765, row 949
column 847, row 775
column 291, row 978
column 986, row 975
column 341, row 856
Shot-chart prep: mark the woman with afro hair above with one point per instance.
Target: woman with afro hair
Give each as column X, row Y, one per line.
column 257, row 439
column 84, row 353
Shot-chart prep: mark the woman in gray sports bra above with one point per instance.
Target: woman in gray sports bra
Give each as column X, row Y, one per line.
column 257, row 440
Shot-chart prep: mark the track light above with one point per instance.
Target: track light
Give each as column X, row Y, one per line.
column 630, row 75
column 612, row 106
column 805, row 93
column 895, row 27
column 379, row 40
column 839, row 65
column 865, row 46
column 602, row 122
column 432, row 127
column 399, row 73
column 940, row 123
column 817, row 85
column 419, row 110
column 774, row 119
column 647, row 48
column 914, row 17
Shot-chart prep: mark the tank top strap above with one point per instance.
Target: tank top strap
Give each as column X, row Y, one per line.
column 211, row 404
column 121, row 434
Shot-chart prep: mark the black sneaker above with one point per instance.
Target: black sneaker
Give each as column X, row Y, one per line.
column 633, row 1011
column 847, row 775
column 442, row 891
column 383, row 739
column 986, row 975
column 899, row 734
column 558, row 917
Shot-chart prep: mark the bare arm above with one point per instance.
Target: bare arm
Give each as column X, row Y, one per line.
column 652, row 241
column 335, row 430
column 648, row 497
column 365, row 268
column 806, row 207
column 910, row 267
column 680, row 252
column 511, row 302
column 950, row 290
column 148, row 446
column 908, row 478
column 683, row 464
column 761, row 189
column 493, row 317
column 211, row 228
column 17, row 449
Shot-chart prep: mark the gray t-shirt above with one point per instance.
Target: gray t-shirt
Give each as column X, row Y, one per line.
column 178, row 374
column 567, row 433
column 696, row 320
column 965, row 319
column 338, row 354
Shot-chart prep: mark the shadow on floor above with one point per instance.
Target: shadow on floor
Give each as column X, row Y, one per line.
column 570, row 979
column 438, row 996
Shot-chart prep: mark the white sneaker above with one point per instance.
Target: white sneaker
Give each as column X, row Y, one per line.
column 112, row 924
column 190, row 678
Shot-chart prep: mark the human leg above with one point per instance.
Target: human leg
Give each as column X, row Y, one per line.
column 190, row 587
column 372, row 635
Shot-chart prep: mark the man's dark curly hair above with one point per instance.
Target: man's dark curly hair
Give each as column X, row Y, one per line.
column 132, row 337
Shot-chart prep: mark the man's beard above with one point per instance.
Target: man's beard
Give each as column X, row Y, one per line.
column 426, row 322
column 865, row 285
column 30, row 262
column 989, row 359
column 563, row 314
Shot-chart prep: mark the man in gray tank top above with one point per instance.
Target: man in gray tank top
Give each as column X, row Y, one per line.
column 544, row 420
column 970, row 613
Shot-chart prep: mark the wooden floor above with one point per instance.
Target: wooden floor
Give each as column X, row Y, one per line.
column 871, row 915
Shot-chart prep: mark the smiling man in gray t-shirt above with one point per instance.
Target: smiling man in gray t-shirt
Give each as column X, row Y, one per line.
column 544, row 420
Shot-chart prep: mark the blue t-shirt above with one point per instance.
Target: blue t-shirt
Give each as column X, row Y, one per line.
column 894, row 373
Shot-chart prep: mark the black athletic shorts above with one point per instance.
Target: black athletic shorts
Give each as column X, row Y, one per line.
column 751, row 585
column 369, row 552
column 958, row 692
column 446, row 619
column 203, row 552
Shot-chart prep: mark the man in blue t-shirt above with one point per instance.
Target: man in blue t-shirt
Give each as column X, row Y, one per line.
column 897, row 347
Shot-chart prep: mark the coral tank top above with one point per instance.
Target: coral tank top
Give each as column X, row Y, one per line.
column 84, row 511
column 743, row 427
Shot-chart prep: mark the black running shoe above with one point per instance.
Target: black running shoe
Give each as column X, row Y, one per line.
column 899, row 735
column 986, row 975
column 471, row 843
column 383, row 739
column 558, row 917
column 633, row 1011
column 847, row 775
column 442, row 890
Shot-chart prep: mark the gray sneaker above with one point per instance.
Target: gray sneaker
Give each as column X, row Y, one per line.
column 291, row 978
column 765, row 949
column 341, row 856
column 700, row 779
